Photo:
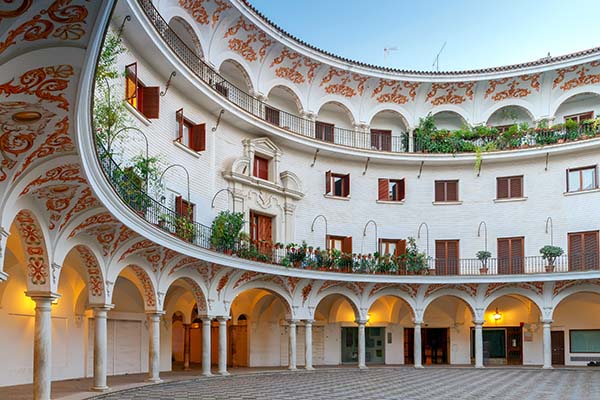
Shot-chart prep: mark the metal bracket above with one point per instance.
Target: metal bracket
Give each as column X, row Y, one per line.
column 420, row 169
column 126, row 19
column 314, row 158
column 367, row 165
column 214, row 128
column 547, row 157
column 479, row 169
column 168, row 84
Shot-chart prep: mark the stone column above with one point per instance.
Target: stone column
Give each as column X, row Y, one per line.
column 292, row 345
column 154, row 346
column 223, row 345
column 478, row 344
column 100, row 346
column 411, row 141
column 547, row 324
column 206, row 332
column 186, row 346
column 42, row 344
column 308, row 346
column 417, row 345
column 361, row 344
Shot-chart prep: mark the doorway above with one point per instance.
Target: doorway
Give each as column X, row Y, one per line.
column 261, row 231
column 557, row 339
column 434, row 346
column 374, row 345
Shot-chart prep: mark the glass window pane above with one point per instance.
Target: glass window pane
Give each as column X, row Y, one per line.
column 588, row 179
column 574, row 185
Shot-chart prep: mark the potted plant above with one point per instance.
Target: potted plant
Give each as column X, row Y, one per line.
column 226, row 228
column 483, row 256
column 415, row 261
column 550, row 253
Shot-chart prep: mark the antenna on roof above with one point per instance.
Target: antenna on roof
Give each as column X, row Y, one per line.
column 436, row 60
column 386, row 53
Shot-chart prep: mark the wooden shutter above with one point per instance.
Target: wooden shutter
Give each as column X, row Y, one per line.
column 516, row 187
column 517, row 250
column 347, row 245
column 328, row 242
column 328, row 182
column 440, row 191
column 179, row 120
column 590, row 248
column 131, row 83
column 261, row 168
column 583, row 251
column 151, row 103
column 346, row 185
column 503, row 256
column 198, row 137
column 384, row 191
column 179, row 205
column 452, row 191
column 502, row 188
column 400, row 248
column 272, row 115
column 401, row 189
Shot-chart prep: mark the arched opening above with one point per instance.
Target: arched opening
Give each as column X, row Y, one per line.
column 235, row 73
column 445, row 336
column 388, row 317
column 512, row 332
column 507, row 116
column 575, row 334
column 388, row 130
column 337, row 316
column 281, row 98
column 187, row 35
column 580, row 107
column 334, row 124
column 449, row 120
column 178, row 332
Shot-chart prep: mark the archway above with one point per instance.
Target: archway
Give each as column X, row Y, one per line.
column 282, row 98
column 335, row 124
column 388, row 130
column 578, row 107
column 186, row 33
column 237, row 75
column 449, row 120
column 506, row 116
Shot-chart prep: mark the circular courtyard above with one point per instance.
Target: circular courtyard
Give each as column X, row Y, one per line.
column 382, row 383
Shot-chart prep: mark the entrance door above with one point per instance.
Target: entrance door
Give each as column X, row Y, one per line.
column 514, row 346
column 374, row 345
column 558, row 347
column 349, row 345
column 409, row 345
column 434, row 346
column 238, row 345
column 261, row 231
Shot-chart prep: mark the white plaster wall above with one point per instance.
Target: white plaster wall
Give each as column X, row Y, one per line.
column 576, row 105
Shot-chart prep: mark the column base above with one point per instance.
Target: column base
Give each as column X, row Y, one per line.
column 187, row 369
column 547, row 367
column 224, row 373
column 207, row 374
column 309, row 368
column 99, row 388
column 292, row 368
column 363, row 367
column 419, row 366
column 479, row 366
column 154, row 380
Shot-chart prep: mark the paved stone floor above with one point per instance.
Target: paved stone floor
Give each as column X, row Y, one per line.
column 381, row 383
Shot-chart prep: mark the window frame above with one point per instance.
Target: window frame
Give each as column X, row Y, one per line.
column 381, row 139
column 579, row 116
column 580, row 170
column 330, row 185
column 445, row 199
column 509, row 180
column 258, row 159
column 321, row 133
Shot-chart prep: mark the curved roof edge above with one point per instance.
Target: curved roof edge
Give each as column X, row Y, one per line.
column 490, row 70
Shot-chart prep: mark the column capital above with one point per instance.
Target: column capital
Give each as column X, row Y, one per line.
column 311, row 115
column 223, row 319
column 362, row 321
column 206, row 318
column 547, row 321
column 309, row 321
column 478, row 322
column 418, row 323
column 293, row 321
column 101, row 307
column 37, row 295
column 155, row 313
column 3, row 276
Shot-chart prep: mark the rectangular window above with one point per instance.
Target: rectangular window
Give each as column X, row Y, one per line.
column 446, row 191
column 393, row 247
column 324, row 131
column 510, row 187
column 584, row 340
column 391, row 189
column 446, row 257
column 511, row 252
column 583, row 251
column 381, row 139
column 337, row 184
column 272, row 115
column 184, row 209
column 580, row 179
column 261, row 168
column 145, row 99
column 580, row 117
column 341, row 243
column 189, row 134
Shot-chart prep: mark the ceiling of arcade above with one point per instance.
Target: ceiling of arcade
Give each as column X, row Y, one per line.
column 46, row 199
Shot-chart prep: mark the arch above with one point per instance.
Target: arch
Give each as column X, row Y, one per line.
column 186, row 33
column 576, row 289
column 449, row 111
column 198, row 291
column 389, row 108
column 566, row 97
column 270, row 287
column 236, row 71
column 144, row 283
column 517, row 103
column 404, row 300
column 454, row 293
column 345, row 106
column 514, row 291
column 346, row 294
column 288, row 90
column 92, row 272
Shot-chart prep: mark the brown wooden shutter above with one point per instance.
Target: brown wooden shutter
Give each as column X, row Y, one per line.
column 516, row 187
column 400, row 248
column 384, row 191
column 517, row 250
column 179, row 120
column 131, row 90
column 179, row 205
column 452, row 191
column 347, row 245
column 328, row 182
column 151, row 103
column 590, row 244
column 440, row 191
column 272, row 115
column 328, row 242
column 401, row 189
column 198, row 137
column 503, row 256
column 502, row 188
column 346, row 183
column 575, row 251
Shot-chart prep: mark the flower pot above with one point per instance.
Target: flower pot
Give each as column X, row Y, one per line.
column 228, row 251
column 549, row 268
column 483, row 270
column 297, row 264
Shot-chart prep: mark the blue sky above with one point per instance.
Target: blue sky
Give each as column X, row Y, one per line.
column 479, row 33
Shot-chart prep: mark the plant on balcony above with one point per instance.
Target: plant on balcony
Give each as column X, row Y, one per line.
column 414, row 260
column 180, row 225
column 136, row 180
column 295, row 254
column 483, row 256
column 550, row 254
column 226, row 229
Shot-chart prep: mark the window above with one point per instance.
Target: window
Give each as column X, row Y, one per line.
column 272, row 115
column 324, row 131
column 446, row 257
column 337, row 185
column 510, row 187
column 261, row 168
column 580, row 179
column 583, row 251
column 189, row 134
column 145, row 99
column 184, row 208
column 391, row 189
column 381, row 139
column 341, row 243
column 446, row 191
column 580, row 117
column 392, row 247
column 503, row 128
column 511, row 255
column 222, row 88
